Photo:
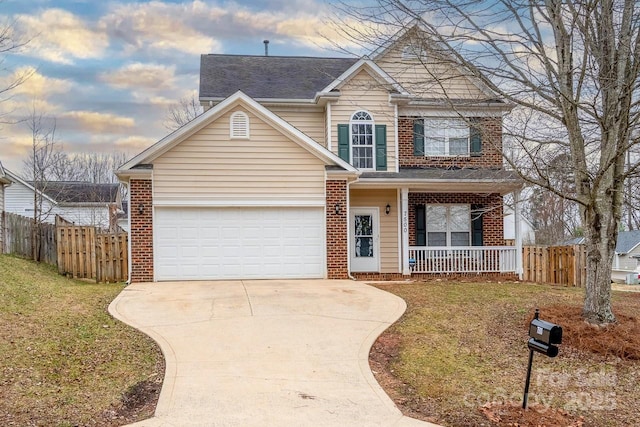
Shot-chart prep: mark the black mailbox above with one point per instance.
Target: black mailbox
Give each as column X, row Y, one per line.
column 545, row 332
column 546, row 349
column 544, row 337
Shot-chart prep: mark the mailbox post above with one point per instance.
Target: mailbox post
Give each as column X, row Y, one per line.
column 543, row 339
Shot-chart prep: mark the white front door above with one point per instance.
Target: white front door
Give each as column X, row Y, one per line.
column 365, row 238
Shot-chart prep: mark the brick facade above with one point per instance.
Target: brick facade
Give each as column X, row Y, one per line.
column 491, row 131
column 492, row 223
column 337, row 230
column 141, row 231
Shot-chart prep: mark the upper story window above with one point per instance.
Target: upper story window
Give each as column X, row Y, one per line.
column 239, row 125
column 445, row 137
column 362, row 140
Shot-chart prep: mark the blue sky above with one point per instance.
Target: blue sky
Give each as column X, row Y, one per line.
column 107, row 71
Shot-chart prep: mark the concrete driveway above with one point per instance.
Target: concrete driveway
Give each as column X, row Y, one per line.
column 266, row 353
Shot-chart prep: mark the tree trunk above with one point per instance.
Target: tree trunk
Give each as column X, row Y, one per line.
column 601, row 232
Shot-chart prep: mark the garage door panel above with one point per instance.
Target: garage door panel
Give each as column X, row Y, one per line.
column 236, row 243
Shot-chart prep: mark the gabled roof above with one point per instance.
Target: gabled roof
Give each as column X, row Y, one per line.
column 627, row 241
column 4, row 179
column 374, row 70
column 442, row 50
column 268, row 77
column 238, row 98
column 81, row 192
column 71, row 192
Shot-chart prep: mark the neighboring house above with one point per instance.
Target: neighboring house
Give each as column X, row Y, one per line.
column 123, row 216
column 627, row 255
column 4, row 181
column 306, row 167
column 527, row 231
column 80, row 203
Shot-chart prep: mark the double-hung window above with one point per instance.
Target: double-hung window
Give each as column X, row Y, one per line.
column 448, row 225
column 446, row 137
column 362, row 140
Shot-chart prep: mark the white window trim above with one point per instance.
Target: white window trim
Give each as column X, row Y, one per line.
column 373, row 138
column 448, row 221
column 446, row 140
column 238, row 130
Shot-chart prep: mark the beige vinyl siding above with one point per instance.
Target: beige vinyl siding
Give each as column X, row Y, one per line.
column 211, row 168
column 309, row 120
column 363, row 92
column 388, row 223
column 429, row 78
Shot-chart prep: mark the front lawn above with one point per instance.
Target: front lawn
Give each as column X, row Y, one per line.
column 462, row 346
column 65, row 361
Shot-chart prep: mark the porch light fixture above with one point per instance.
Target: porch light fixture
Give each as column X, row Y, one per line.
column 387, row 210
column 140, row 208
column 337, row 208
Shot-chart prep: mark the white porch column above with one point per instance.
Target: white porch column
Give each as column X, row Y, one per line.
column 404, row 212
column 518, row 233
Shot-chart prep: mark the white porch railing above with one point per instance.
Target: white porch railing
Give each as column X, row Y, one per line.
column 462, row 259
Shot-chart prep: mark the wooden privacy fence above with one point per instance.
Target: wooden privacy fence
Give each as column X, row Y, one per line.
column 562, row 265
column 86, row 253
column 20, row 233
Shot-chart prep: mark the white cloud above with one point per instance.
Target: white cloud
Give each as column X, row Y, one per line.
column 100, row 122
column 38, row 86
column 138, row 75
column 60, row 36
column 160, row 26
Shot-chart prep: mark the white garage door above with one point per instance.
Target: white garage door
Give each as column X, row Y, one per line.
column 238, row 243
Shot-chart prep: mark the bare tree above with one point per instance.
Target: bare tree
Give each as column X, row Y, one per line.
column 571, row 71
column 178, row 115
column 10, row 41
column 37, row 168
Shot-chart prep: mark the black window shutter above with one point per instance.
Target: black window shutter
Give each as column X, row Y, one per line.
column 421, row 226
column 381, row 147
column 475, row 141
column 343, row 142
column 418, row 137
column 477, row 212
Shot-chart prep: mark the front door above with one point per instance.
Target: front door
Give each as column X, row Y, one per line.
column 364, row 240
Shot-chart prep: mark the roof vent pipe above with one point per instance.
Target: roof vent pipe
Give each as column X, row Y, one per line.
column 266, row 47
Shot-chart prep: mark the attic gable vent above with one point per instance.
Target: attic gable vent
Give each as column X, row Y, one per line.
column 239, row 125
column 412, row 53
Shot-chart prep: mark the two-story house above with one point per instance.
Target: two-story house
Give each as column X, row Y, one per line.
column 301, row 167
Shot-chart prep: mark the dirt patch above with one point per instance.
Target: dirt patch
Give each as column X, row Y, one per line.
column 512, row 414
column 137, row 403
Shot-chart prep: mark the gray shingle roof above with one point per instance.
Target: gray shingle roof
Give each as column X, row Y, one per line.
column 81, row 192
column 268, row 77
column 464, row 174
column 627, row 240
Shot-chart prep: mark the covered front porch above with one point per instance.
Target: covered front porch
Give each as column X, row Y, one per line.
column 399, row 228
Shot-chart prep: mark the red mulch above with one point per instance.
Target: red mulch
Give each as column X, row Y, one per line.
column 621, row 339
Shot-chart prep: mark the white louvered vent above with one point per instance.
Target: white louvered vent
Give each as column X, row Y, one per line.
column 239, row 126
column 412, row 53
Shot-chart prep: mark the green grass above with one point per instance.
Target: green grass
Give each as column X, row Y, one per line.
column 464, row 344
column 65, row 360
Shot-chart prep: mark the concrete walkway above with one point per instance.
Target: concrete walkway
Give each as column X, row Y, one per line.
column 266, row 353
